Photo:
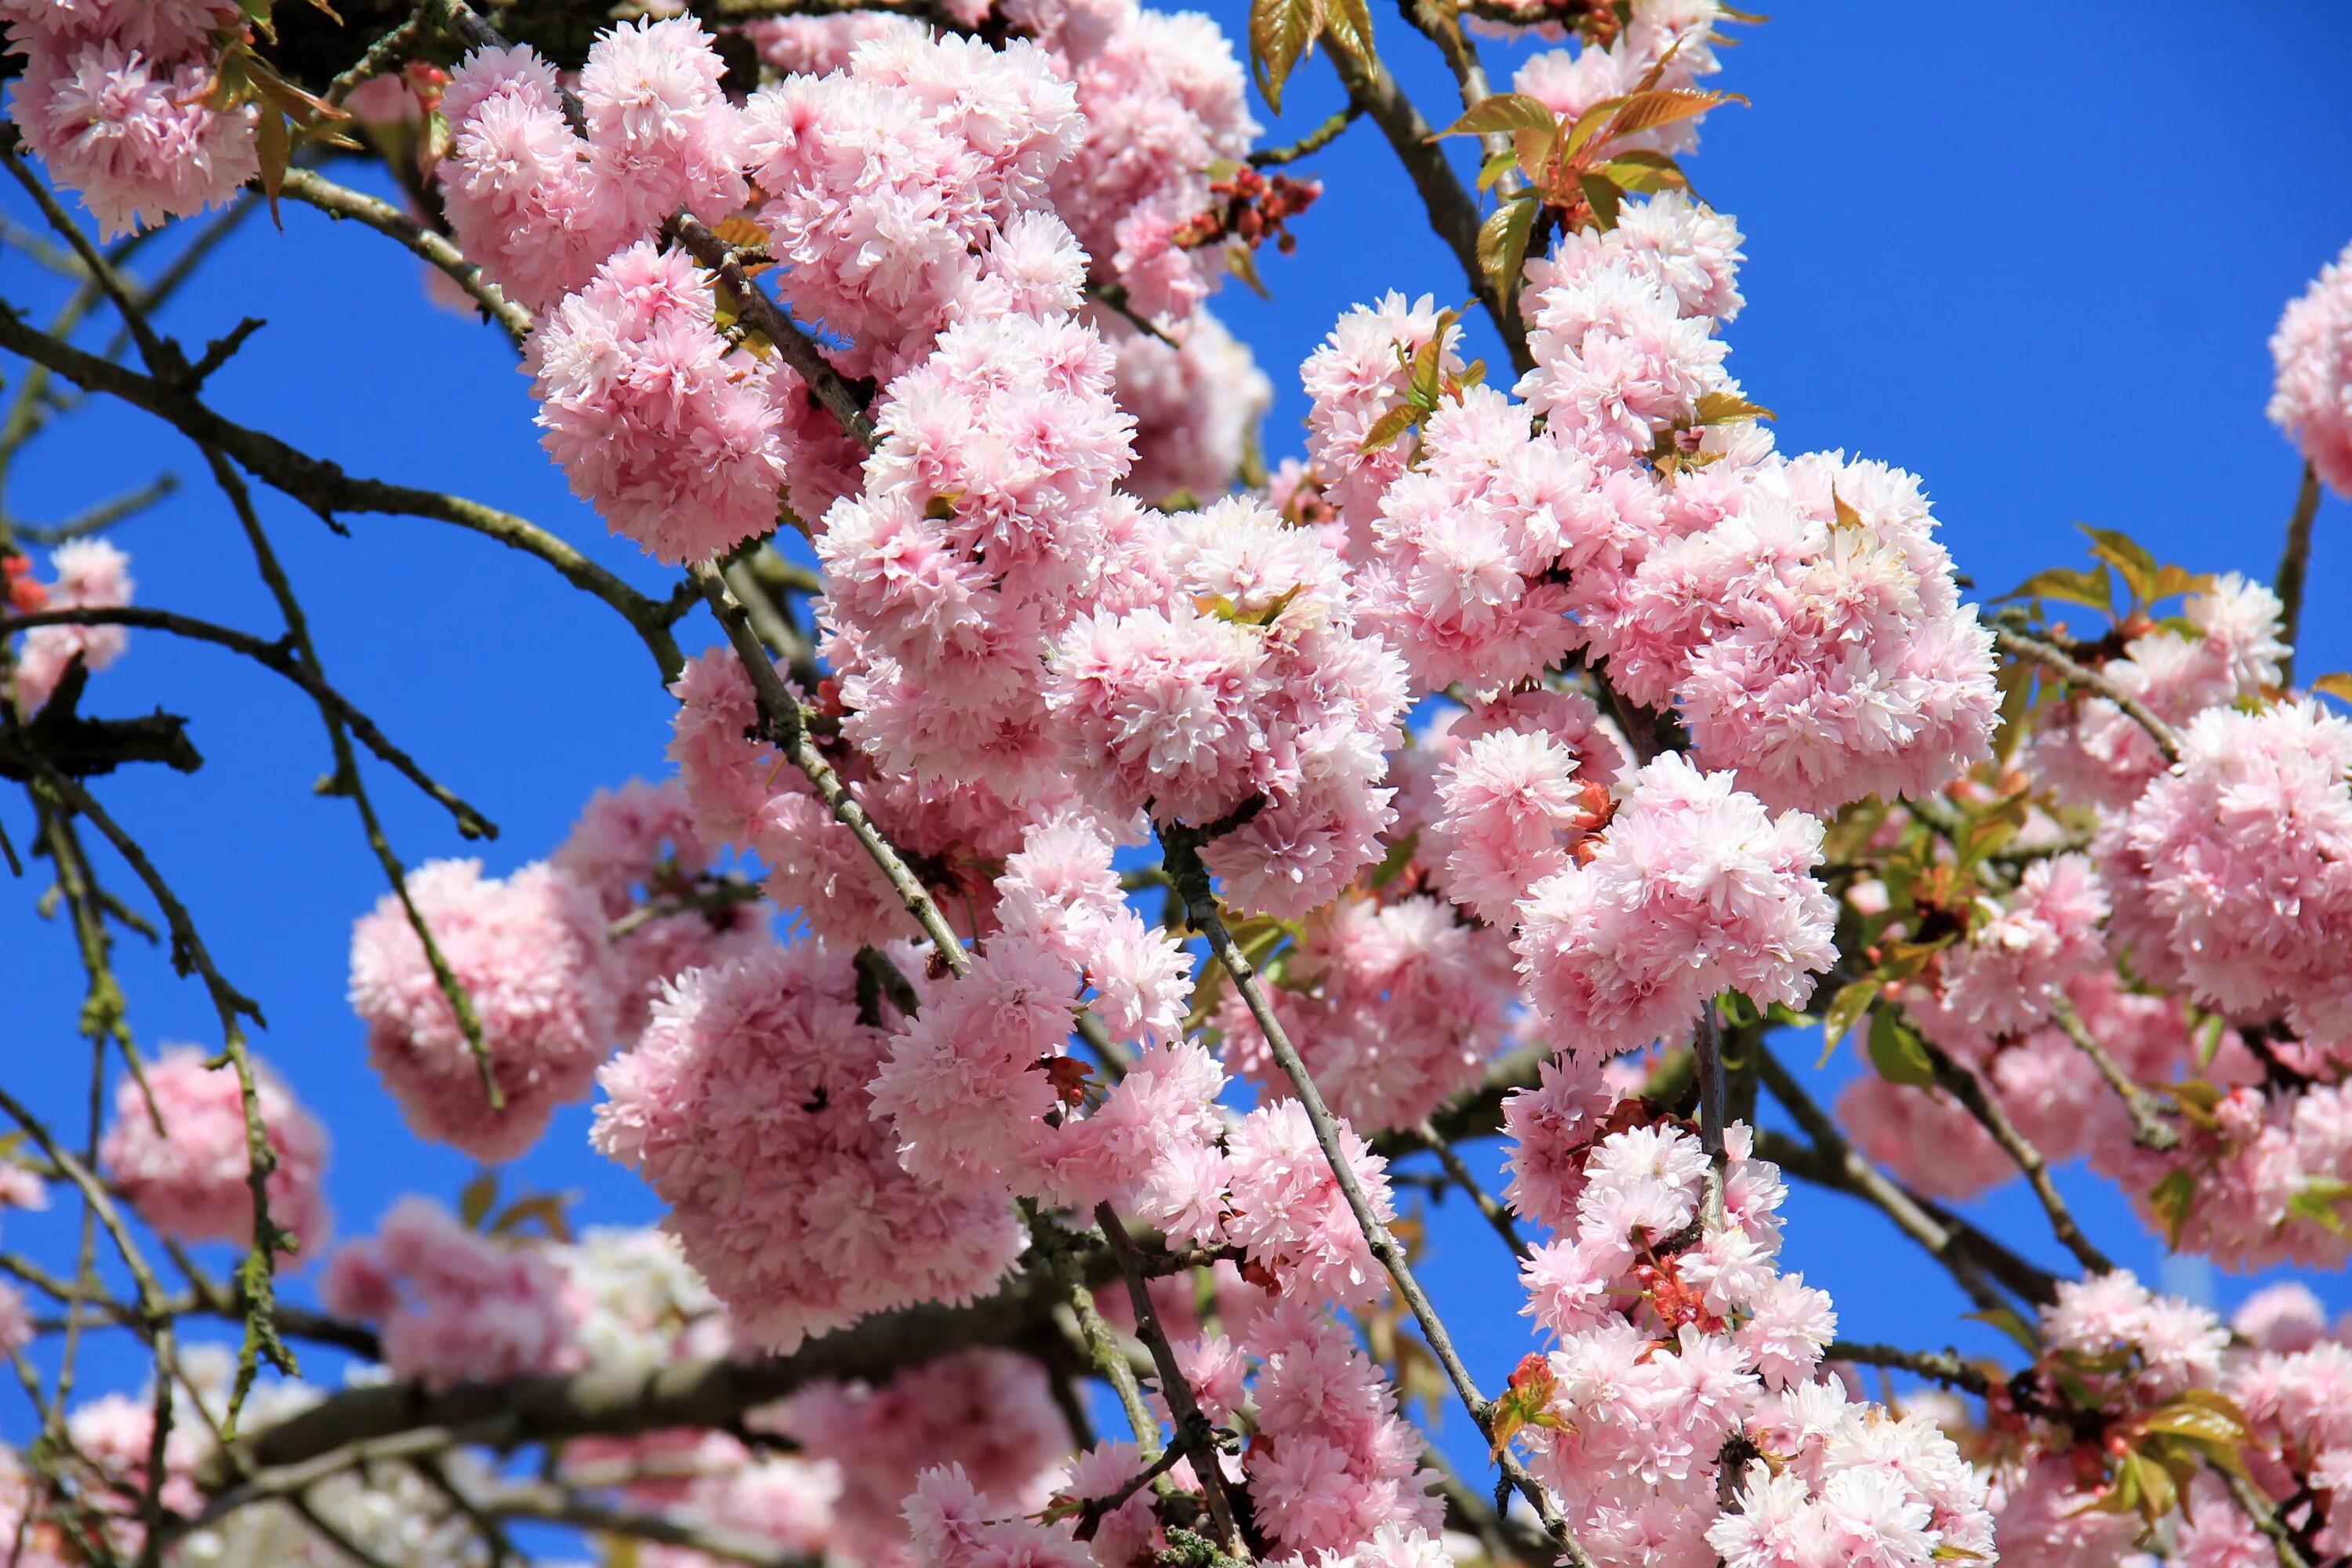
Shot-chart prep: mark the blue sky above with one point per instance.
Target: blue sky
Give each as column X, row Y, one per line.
column 2030, row 251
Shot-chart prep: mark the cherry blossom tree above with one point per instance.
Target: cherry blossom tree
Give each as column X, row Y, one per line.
column 1097, row 882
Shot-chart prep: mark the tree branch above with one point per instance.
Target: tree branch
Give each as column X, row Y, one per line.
column 2295, row 564
column 2018, row 646
column 1181, row 851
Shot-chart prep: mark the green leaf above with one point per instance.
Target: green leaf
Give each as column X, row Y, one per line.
column 1639, row 168
column 2128, row 556
column 1847, row 1008
column 2318, row 1203
column 1279, row 34
column 2337, row 684
column 1602, row 194
column 1390, row 426
column 548, row 1210
column 1244, row 263
column 1399, row 857
column 1503, row 243
column 1662, row 106
column 2173, row 1198
column 1590, row 125
column 1496, row 165
column 1502, row 115
column 2096, row 588
column 1726, row 408
column 477, row 1197
column 2197, row 1424
column 2009, row 1322
column 1896, row 1052
column 1348, row 24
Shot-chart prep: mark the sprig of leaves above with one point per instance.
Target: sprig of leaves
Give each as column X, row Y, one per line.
column 1282, row 33
column 1577, row 170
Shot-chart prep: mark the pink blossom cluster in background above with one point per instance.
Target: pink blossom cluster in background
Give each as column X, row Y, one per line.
column 178, row 1148
column 91, row 574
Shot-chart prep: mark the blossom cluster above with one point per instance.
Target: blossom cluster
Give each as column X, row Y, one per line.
column 114, row 98
column 90, row 574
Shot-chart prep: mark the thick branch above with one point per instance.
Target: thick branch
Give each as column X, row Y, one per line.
column 614, row 1402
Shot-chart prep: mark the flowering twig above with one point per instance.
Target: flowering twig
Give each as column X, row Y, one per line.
column 1452, row 214
column 2149, row 1131
column 2018, row 646
column 1182, row 847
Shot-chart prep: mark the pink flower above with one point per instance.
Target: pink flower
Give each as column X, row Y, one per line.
column 189, row 1178
column 2313, row 350
column 1288, row 1213
column 1395, row 1009
column 1332, row 1465
column 125, row 128
column 989, row 1414
column 516, row 186
column 664, row 135
column 529, row 951
column 637, row 846
column 651, row 415
column 93, row 574
column 746, row 1108
column 2245, row 852
column 454, row 1307
column 1693, row 889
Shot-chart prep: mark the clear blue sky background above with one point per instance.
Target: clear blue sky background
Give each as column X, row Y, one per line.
column 2032, row 251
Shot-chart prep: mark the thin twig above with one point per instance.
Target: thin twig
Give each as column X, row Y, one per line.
column 2020, row 646
column 278, row 659
column 1940, row 1366
column 104, row 515
column 1465, row 1178
column 2150, row 1129
column 1314, row 142
column 341, row 202
column 845, row 402
column 1840, row 1165
column 327, row 490
column 1962, row 1084
column 1194, row 1436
